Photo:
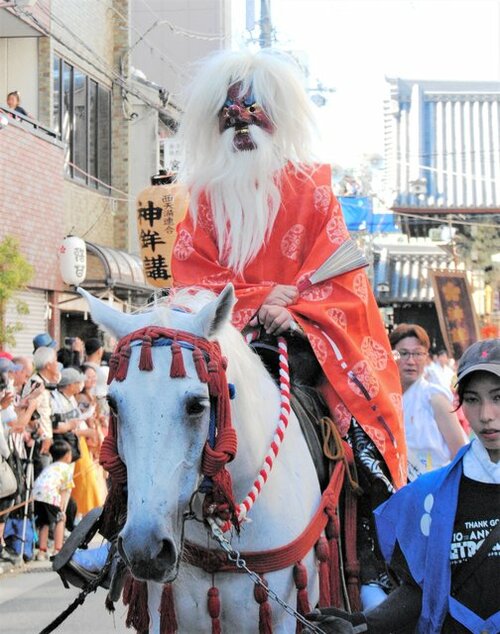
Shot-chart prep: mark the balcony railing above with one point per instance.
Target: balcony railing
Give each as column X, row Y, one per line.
column 35, row 125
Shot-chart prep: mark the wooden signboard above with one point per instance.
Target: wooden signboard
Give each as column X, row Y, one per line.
column 455, row 309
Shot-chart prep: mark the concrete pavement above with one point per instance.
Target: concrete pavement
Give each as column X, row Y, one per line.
column 30, row 600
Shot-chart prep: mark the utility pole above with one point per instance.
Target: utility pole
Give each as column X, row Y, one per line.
column 265, row 24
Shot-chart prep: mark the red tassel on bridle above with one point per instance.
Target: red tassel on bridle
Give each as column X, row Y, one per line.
column 322, row 550
column 135, row 595
column 201, row 365
column 177, row 369
column 265, row 615
column 300, row 579
column 168, row 620
column 213, row 605
column 146, row 360
column 121, row 372
column 113, row 366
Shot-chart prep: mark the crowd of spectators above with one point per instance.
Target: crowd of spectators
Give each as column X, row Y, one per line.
column 53, row 421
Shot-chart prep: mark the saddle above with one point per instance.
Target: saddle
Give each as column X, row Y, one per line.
column 306, row 401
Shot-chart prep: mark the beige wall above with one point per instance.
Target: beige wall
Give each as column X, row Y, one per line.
column 93, row 22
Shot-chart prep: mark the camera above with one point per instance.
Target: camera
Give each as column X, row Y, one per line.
column 4, row 381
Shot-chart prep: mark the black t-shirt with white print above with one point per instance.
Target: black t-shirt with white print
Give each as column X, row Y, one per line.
column 477, row 514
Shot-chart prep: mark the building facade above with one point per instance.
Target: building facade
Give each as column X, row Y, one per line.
column 443, row 146
column 91, row 142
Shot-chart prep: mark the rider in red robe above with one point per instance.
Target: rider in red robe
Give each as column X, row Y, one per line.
column 339, row 316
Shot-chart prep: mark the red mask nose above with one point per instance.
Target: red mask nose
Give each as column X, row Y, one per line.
column 234, row 110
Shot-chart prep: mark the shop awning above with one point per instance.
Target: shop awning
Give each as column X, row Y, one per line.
column 109, row 268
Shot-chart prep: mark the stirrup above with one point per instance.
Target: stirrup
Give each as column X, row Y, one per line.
column 69, row 571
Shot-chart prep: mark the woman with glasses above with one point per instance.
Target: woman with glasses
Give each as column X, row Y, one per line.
column 433, row 431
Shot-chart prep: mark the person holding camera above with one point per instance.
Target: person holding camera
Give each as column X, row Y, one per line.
column 69, row 423
column 73, row 353
column 40, row 426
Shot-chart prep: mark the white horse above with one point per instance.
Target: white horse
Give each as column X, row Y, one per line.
column 163, row 426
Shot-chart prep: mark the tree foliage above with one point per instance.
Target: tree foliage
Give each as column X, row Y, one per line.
column 15, row 273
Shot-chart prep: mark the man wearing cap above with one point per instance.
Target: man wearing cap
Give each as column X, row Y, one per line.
column 65, row 413
column 19, row 412
column 441, row 533
column 43, row 340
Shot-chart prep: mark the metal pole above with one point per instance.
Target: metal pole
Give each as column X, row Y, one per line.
column 29, row 488
column 265, row 24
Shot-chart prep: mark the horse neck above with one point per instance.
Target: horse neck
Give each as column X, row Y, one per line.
column 255, row 414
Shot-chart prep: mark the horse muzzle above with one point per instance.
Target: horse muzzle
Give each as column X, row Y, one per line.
column 149, row 556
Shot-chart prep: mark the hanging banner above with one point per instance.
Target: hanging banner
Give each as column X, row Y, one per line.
column 159, row 209
column 455, row 309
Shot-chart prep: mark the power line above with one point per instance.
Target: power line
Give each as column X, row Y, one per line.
column 163, row 56
column 197, row 35
column 105, row 69
column 449, row 172
column 446, row 221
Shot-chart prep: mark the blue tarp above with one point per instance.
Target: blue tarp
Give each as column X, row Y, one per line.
column 359, row 215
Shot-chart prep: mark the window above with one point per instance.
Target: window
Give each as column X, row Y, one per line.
column 80, row 124
column 82, row 120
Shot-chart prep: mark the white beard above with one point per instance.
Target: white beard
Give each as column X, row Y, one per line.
column 242, row 188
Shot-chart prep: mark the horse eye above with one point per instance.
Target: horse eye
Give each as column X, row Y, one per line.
column 196, row 406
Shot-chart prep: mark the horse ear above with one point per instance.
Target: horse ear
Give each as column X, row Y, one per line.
column 217, row 313
column 117, row 323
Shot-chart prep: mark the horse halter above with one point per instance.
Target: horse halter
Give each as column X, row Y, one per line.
column 210, row 366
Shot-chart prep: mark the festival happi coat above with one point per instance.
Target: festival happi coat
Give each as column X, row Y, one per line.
column 339, row 316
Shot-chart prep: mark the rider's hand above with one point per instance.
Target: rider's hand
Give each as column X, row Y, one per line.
column 334, row 621
column 274, row 319
column 282, row 295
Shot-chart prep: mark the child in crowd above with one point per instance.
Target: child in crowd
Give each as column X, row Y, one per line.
column 51, row 492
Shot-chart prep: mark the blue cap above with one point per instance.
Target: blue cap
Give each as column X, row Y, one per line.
column 6, row 365
column 44, row 340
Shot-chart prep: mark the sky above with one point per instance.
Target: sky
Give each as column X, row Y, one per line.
column 352, row 45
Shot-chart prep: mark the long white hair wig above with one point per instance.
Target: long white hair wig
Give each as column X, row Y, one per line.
column 243, row 188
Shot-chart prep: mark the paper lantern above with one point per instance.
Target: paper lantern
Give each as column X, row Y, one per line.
column 160, row 208
column 73, row 260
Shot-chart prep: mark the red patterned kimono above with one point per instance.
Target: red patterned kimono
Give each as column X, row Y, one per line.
column 339, row 316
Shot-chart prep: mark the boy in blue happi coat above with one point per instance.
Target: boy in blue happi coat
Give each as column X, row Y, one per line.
column 440, row 533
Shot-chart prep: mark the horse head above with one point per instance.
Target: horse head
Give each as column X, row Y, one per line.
column 162, row 428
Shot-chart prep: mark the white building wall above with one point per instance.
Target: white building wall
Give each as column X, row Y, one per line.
column 19, row 71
